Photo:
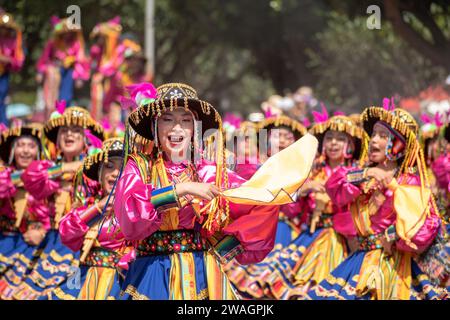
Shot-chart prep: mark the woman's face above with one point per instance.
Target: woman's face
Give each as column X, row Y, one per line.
column 109, row 173
column 283, row 136
column 175, row 130
column 378, row 142
column 25, row 151
column 334, row 143
column 71, row 140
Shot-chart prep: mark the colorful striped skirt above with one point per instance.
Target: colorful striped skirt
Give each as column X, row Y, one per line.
column 372, row 275
column 182, row 268
column 53, row 266
column 98, row 278
column 286, row 272
column 17, row 259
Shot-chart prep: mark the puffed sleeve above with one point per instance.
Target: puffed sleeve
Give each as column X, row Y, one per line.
column 136, row 215
column 7, row 188
column 253, row 226
column 340, row 191
column 441, row 169
column 36, row 180
column 72, row 229
column 292, row 210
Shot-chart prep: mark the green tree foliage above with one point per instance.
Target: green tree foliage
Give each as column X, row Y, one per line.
column 357, row 67
column 237, row 52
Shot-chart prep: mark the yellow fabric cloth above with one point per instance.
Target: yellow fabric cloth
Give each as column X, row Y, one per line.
column 280, row 177
column 411, row 205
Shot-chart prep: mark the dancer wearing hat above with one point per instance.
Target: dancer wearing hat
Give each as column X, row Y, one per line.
column 11, row 56
column 280, row 132
column 246, row 159
column 289, row 271
column 283, row 131
column 86, row 228
column 70, row 129
column 393, row 211
column 106, row 59
column 434, row 138
column 62, row 64
column 173, row 208
column 23, row 218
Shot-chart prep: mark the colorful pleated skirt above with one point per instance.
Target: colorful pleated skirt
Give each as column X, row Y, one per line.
column 17, row 259
column 286, row 272
column 53, row 266
column 176, row 265
column 98, row 278
column 372, row 275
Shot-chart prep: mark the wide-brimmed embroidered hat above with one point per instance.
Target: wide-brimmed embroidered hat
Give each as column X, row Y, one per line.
column 7, row 138
column 342, row 124
column 75, row 116
column 168, row 97
column 297, row 128
column 111, row 148
column 398, row 119
column 405, row 128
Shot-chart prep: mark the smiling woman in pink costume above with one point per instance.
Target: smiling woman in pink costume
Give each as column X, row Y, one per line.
column 62, row 64
column 173, row 208
column 103, row 254
column 69, row 129
column 393, row 211
column 23, row 218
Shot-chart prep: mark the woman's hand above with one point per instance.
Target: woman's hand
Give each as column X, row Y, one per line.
column 207, row 191
column 383, row 177
column 102, row 203
column 34, row 236
column 387, row 246
column 312, row 186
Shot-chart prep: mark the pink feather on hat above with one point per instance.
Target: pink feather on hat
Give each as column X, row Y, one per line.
column 94, row 141
column 268, row 113
column 321, row 117
column 437, row 120
column 142, row 92
column 426, row 118
column 60, row 106
column 306, row 122
column 232, row 119
column 115, row 20
column 388, row 104
column 54, row 20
